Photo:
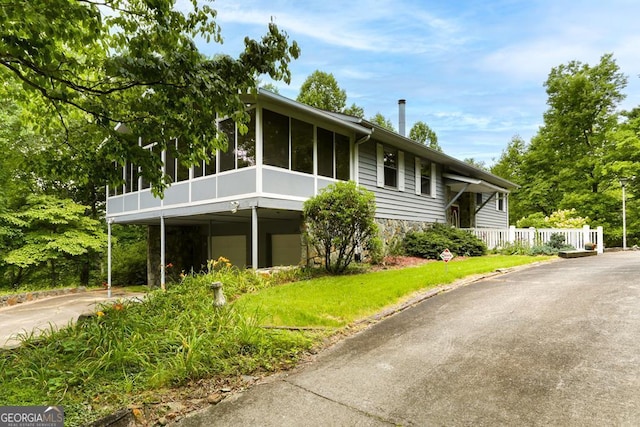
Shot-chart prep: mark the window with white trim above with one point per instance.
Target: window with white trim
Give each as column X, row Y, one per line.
column 501, row 202
column 390, row 161
column 425, row 177
column 389, row 167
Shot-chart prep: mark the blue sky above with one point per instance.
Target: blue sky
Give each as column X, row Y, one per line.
column 472, row 70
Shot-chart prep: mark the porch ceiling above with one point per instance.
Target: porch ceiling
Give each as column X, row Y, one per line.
column 473, row 185
column 241, row 216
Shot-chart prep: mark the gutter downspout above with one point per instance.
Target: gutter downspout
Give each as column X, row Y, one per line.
column 365, row 138
column 356, row 154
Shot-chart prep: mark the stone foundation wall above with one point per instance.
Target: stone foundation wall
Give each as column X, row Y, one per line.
column 392, row 232
column 13, row 299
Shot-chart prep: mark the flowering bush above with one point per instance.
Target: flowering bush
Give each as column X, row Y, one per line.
column 218, row 264
column 563, row 218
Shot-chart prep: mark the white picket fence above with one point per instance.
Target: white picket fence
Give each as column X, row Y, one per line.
column 576, row 237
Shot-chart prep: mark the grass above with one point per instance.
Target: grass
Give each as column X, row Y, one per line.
column 132, row 353
column 129, row 350
column 336, row 301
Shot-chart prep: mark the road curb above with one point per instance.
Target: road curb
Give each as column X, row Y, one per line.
column 13, row 299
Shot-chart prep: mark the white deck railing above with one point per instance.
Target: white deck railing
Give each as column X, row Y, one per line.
column 501, row 237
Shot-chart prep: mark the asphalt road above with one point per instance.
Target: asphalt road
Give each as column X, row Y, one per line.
column 52, row 312
column 556, row 344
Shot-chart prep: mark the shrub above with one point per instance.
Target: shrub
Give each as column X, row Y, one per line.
column 338, row 220
column 564, row 218
column 556, row 240
column 543, row 250
column 430, row 243
column 516, row 248
column 375, row 249
column 129, row 264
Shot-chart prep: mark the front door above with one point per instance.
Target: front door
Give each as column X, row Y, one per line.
column 454, row 216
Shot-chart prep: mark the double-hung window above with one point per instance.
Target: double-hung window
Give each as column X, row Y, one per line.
column 390, row 167
column 390, row 159
column 501, row 202
column 425, row 177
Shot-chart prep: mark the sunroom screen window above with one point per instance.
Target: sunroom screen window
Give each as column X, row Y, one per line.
column 301, row 146
column 228, row 157
column 275, row 135
column 325, row 153
column 170, row 160
column 155, row 149
column 342, row 157
column 246, row 147
column 182, row 171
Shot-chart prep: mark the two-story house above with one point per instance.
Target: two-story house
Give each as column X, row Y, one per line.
column 246, row 204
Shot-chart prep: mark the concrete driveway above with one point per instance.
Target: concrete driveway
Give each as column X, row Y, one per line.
column 58, row 311
column 556, row 344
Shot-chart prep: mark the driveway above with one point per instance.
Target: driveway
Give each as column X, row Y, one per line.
column 58, row 311
column 555, row 344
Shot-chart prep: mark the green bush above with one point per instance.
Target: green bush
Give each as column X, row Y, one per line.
column 543, row 250
column 430, row 243
column 375, row 251
column 129, row 264
column 556, row 240
column 516, row 248
column 339, row 220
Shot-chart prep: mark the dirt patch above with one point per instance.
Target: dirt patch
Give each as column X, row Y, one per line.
column 395, row 262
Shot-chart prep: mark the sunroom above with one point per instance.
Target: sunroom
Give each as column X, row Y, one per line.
column 246, row 203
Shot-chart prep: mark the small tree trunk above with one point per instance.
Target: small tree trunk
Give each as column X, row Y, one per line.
column 54, row 273
column 85, row 269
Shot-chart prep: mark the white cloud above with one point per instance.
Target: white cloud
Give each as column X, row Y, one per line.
column 370, row 27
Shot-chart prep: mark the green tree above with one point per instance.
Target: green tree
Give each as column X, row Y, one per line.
column 135, row 62
column 339, row 220
column 271, row 88
column 54, row 232
column 570, row 163
column 42, row 157
column 321, row 90
column 563, row 218
column 422, row 133
column 382, row 121
column 623, row 162
column 509, row 166
column 355, row 111
column 480, row 164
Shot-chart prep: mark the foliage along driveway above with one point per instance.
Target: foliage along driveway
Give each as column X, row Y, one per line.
column 554, row 344
column 53, row 312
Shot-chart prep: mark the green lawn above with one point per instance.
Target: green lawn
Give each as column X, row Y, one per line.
column 130, row 353
column 336, row 301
